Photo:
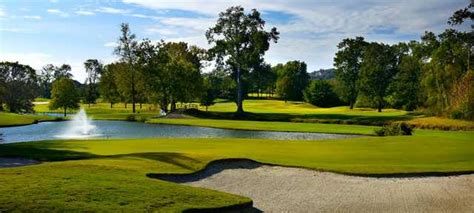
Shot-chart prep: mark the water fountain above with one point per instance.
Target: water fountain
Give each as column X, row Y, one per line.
column 79, row 127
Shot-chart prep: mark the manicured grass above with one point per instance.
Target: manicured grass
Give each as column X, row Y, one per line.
column 104, row 175
column 12, row 119
column 270, row 125
column 111, row 174
column 103, row 111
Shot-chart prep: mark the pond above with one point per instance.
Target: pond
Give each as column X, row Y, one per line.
column 124, row 129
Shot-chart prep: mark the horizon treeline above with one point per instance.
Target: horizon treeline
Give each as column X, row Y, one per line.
column 433, row 75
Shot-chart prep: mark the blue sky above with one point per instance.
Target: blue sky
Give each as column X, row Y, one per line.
column 67, row 31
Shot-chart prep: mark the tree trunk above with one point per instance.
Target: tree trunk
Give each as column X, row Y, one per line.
column 240, row 108
column 141, row 105
column 125, row 105
column 65, row 109
column 206, row 108
column 351, row 105
column 173, row 105
column 111, row 105
column 380, row 106
column 1, row 106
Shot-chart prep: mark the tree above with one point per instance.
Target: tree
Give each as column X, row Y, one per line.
column 18, row 86
column 240, row 41
column 45, row 79
column 184, row 69
column 93, row 70
column 108, row 85
column 347, row 62
column 130, row 78
column 377, row 71
column 262, row 78
column 64, row 95
column 292, row 80
column 460, row 15
column 64, row 71
column 208, row 94
column 405, row 89
column 321, row 93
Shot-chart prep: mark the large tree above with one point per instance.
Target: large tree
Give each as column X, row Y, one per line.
column 378, row 69
column 108, row 85
column 292, row 80
column 18, row 86
column 348, row 61
column 93, row 70
column 239, row 41
column 131, row 78
column 64, row 95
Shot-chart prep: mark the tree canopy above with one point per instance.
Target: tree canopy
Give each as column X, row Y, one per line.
column 239, row 42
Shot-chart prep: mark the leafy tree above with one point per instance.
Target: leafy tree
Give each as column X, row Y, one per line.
column 460, row 15
column 184, row 69
column 240, row 41
column 405, row 89
column 108, row 85
column 64, row 95
column 321, row 93
column 446, row 65
column 292, row 80
column 18, row 86
column 348, row 61
column 130, row 78
column 208, row 94
column 93, row 70
column 262, row 78
column 46, row 79
column 64, row 71
column 377, row 71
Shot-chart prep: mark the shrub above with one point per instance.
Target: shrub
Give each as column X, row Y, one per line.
column 394, row 129
column 321, row 93
column 131, row 118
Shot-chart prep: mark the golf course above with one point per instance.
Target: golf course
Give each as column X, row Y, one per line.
column 236, row 106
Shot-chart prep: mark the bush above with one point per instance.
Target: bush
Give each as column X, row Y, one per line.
column 321, row 93
column 394, row 129
column 131, row 118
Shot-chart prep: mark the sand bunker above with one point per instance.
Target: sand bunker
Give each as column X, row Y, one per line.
column 283, row 189
column 13, row 162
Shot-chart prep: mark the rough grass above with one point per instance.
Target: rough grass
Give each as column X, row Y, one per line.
column 12, row 119
column 441, row 123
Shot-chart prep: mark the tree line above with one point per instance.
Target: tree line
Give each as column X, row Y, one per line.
column 433, row 74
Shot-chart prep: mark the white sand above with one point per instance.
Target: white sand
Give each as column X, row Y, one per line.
column 283, row 189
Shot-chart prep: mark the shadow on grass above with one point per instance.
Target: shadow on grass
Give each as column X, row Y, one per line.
column 212, row 168
column 45, row 151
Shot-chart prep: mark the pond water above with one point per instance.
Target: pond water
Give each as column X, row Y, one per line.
column 124, row 129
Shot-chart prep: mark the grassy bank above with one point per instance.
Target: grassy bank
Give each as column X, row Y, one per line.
column 270, row 125
column 12, row 119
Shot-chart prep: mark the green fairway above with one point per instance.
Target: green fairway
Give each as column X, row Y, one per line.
column 11, row 119
column 270, row 125
column 111, row 174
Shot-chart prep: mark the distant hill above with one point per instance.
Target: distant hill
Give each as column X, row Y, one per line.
column 322, row 74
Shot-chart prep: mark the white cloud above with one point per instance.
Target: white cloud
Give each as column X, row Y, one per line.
column 85, row 13
column 32, row 17
column 111, row 10
column 111, row 44
column 316, row 26
column 57, row 12
column 12, row 30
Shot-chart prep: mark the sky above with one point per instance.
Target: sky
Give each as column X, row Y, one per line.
column 40, row 32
